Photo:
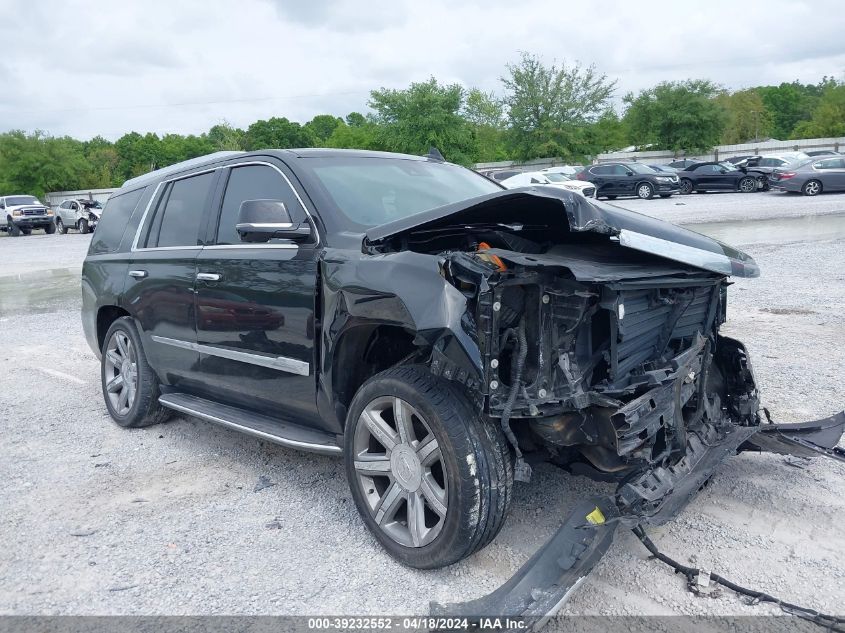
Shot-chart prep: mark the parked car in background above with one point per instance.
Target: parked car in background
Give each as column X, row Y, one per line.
column 822, row 152
column 735, row 160
column 81, row 214
column 813, row 177
column 629, row 179
column 501, row 174
column 721, row 176
column 768, row 163
column 21, row 214
column 568, row 170
column 665, row 169
column 684, row 163
column 586, row 189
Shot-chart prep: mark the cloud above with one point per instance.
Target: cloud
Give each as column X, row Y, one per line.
column 87, row 67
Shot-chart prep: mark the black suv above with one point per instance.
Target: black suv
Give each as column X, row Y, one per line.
column 629, row 179
column 440, row 332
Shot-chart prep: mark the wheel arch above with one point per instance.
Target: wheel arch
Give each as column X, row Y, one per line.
column 106, row 315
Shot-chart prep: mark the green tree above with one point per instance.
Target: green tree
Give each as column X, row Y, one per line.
column 355, row 119
column 322, row 126
column 789, row 104
column 607, row 134
column 547, row 104
column 828, row 118
column 225, row 137
column 422, row 116
column 277, row 132
column 37, row 163
column 747, row 117
column 485, row 115
column 676, row 115
column 363, row 136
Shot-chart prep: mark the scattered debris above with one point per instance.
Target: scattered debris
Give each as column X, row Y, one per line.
column 275, row 524
column 787, row 311
column 83, row 532
column 263, row 482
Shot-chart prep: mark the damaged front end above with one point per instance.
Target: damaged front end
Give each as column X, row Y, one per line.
column 596, row 347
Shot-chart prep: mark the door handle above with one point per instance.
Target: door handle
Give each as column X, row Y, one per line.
column 138, row 274
column 208, row 276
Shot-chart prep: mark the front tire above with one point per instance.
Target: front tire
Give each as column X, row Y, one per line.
column 14, row 229
column 812, row 188
column 83, row 226
column 60, row 227
column 130, row 387
column 50, row 229
column 645, row 191
column 747, row 185
column 431, row 479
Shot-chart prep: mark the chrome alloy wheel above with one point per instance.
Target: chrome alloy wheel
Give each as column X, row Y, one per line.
column 747, row 185
column 121, row 371
column 400, row 469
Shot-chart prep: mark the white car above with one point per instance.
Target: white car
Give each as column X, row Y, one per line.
column 586, row 189
column 566, row 170
column 80, row 214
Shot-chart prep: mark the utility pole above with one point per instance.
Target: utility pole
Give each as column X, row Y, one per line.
column 755, row 113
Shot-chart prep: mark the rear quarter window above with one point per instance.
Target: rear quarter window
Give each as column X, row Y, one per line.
column 114, row 220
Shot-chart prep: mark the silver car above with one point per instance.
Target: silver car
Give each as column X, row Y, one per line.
column 811, row 178
column 80, row 214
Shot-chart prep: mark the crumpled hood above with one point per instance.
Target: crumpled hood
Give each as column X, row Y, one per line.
column 536, row 205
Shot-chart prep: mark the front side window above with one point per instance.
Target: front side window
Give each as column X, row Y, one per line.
column 183, row 211
column 253, row 182
column 620, row 170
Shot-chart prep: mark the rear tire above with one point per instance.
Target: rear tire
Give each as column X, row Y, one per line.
column 812, row 188
column 124, row 370
column 471, row 478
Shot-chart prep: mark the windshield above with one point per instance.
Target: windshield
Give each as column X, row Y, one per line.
column 91, row 204
column 13, row 201
column 373, row 191
column 640, row 169
column 553, row 177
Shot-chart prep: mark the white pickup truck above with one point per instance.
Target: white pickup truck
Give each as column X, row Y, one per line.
column 20, row 214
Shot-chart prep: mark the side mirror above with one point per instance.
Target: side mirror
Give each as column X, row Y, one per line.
column 262, row 220
column 630, row 172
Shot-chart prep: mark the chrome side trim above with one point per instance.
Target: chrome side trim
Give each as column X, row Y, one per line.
column 707, row 260
column 231, row 246
column 327, row 449
column 281, row 363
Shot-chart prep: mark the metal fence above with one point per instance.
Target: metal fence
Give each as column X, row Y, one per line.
column 54, row 198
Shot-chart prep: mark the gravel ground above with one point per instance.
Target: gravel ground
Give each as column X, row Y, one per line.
column 168, row 520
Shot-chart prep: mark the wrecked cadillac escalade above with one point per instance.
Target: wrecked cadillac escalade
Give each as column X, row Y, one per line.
column 441, row 333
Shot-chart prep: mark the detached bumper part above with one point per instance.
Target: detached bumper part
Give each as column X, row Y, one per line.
column 542, row 585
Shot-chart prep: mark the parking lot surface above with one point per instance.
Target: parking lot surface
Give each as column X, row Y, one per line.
column 179, row 519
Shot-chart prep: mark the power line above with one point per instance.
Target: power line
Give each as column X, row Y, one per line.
column 184, row 103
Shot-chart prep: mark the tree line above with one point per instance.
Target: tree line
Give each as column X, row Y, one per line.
column 543, row 110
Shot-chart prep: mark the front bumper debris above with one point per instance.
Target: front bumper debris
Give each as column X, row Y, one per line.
column 539, row 589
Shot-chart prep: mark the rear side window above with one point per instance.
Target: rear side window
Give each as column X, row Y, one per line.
column 253, row 182
column 178, row 222
column 113, row 222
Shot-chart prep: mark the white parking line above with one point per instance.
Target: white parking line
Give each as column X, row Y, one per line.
column 60, row 374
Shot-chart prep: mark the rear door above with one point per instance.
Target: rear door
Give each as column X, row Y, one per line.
column 600, row 176
column 622, row 181
column 159, row 290
column 256, row 303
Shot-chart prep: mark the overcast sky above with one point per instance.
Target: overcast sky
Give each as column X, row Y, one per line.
column 88, row 67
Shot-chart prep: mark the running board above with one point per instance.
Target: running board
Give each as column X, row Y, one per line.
column 262, row 426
